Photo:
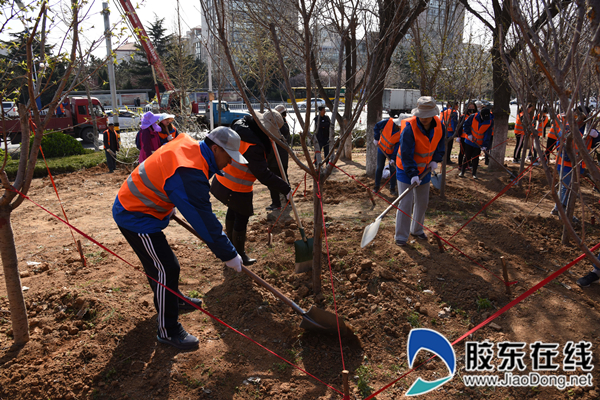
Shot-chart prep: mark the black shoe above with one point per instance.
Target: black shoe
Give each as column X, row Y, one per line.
column 376, row 189
column 422, row 236
column 183, row 340
column 394, row 193
column 184, row 306
column 401, row 243
column 273, row 207
column 239, row 242
column 588, row 279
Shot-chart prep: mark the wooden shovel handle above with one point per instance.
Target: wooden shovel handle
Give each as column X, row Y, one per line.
column 251, row 274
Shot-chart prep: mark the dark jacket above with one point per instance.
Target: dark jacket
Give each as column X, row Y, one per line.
column 322, row 123
column 257, row 163
column 111, row 142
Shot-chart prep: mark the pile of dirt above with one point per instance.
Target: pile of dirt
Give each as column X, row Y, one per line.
column 93, row 328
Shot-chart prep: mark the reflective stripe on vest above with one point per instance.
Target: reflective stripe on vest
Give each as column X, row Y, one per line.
column 386, row 143
column 447, row 119
column 519, row 125
column 143, row 191
column 424, row 149
column 236, row 176
column 478, row 130
column 588, row 146
column 555, row 130
column 542, row 125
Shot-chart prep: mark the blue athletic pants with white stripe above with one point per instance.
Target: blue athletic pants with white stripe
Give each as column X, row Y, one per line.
column 160, row 263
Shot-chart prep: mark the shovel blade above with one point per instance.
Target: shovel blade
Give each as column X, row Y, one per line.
column 319, row 320
column 436, row 181
column 370, row 232
column 304, row 255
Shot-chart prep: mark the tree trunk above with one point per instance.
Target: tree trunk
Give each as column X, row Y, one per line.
column 374, row 111
column 8, row 252
column 317, row 235
column 501, row 108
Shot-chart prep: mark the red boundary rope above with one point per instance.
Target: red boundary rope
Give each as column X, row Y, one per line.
column 172, row 291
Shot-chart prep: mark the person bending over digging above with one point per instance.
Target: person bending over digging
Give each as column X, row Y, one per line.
column 234, row 187
column 175, row 175
column 421, row 146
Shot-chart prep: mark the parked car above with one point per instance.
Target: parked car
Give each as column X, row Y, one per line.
column 127, row 120
column 314, row 103
column 152, row 106
column 10, row 109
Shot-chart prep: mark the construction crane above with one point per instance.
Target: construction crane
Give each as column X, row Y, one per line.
column 155, row 64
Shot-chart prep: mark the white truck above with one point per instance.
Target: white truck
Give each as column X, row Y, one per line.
column 396, row 101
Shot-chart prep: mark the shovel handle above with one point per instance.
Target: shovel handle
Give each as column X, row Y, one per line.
column 284, row 177
column 408, row 189
column 251, row 274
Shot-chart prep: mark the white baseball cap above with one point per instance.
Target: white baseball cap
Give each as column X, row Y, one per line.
column 228, row 140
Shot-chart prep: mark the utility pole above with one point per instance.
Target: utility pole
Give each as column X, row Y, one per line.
column 111, row 66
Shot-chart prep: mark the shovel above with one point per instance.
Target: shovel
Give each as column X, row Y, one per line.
column 304, row 247
column 313, row 320
column 371, row 230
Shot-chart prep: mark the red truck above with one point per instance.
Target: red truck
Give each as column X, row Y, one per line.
column 77, row 122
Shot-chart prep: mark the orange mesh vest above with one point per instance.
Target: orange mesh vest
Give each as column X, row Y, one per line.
column 541, row 125
column 446, row 119
column 236, row 176
column 478, row 131
column 108, row 136
column 555, row 130
column 144, row 191
column 519, row 125
column 424, row 149
column 568, row 163
column 386, row 143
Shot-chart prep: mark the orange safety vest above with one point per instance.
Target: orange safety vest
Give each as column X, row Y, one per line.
column 173, row 134
column 424, row 149
column 236, row 176
column 478, row 130
column 519, row 125
column 108, row 136
column 386, row 143
column 568, row 163
column 143, row 191
column 447, row 119
column 541, row 125
column 555, row 130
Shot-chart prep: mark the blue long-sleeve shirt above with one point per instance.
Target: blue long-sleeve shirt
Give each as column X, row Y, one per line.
column 378, row 129
column 188, row 189
column 487, row 135
column 407, row 151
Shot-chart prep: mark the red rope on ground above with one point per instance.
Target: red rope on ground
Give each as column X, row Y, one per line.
column 433, row 233
column 498, row 313
column 337, row 321
column 172, row 291
column 468, row 161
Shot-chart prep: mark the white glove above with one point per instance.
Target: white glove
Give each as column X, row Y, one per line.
column 484, row 149
column 415, row 179
column 289, row 195
column 170, row 137
column 392, row 163
column 470, row 137
column 594, row 133
column 433, row 165
column 457, row 140
column 375, row 142
column 235, row 263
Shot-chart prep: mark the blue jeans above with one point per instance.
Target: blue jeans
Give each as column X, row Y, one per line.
column 381, row 158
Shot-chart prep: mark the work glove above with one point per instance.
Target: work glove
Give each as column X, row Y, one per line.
column 415, row 179
column 170, row 137
column 457, row 140
column 433, row 165
column 235, row 263
column 594, row 133
column 375, row 142
column 484, row 149
column 392, row 164
column 471, row 138
column 289, row 195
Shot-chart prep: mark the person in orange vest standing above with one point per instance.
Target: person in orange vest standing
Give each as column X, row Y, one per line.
column 234, row 187
column 449, row 118
column 421, row 146
column 112, row 142
column 175, row 175
column 386, row 136
column 520, row 131
column 540, row 120
column 477, row 131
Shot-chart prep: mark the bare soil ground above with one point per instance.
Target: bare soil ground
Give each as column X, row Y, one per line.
column 93, row 329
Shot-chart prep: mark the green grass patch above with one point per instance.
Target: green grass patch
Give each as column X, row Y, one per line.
column 89, row 159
